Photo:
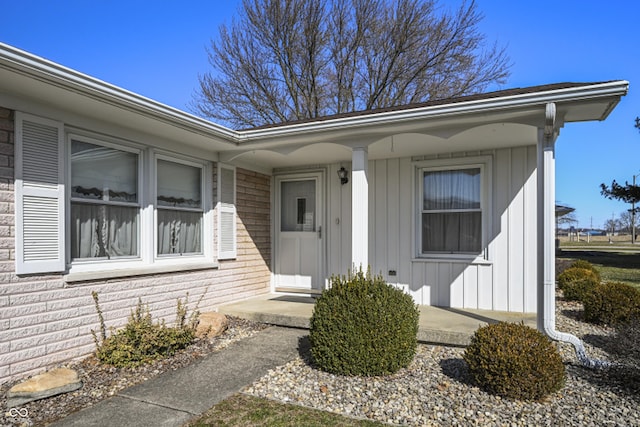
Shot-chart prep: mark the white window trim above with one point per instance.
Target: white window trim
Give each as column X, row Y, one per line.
column 485, row 163
column 147, row 262
column 207, row 210
column 87, row 264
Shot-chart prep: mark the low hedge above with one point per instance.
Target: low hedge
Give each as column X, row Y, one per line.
column 612, row 303
column 576, row 282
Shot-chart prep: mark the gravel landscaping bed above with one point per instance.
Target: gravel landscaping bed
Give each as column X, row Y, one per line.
column 436, row 389
column 100, row 382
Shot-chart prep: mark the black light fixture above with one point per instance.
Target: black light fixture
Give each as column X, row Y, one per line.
column 344, row 175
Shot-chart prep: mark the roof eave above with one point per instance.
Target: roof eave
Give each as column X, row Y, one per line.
column 49, row 72
column 613, row 89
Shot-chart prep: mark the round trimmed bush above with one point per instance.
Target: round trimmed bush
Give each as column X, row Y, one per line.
column 363, row 326
column 514, row 361
column 612, row 303
column 587, row 266
column 576, row 282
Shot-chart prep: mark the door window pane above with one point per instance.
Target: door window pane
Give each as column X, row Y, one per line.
column 298, row 205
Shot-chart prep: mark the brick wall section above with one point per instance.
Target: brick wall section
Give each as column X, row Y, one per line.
column 44, row 321
column 6, row 193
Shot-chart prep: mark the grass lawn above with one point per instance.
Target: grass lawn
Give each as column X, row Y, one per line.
column 613, row 266
column 241, row 410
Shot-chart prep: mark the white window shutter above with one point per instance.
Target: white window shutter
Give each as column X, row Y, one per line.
column 227, row 242
column 39, row 191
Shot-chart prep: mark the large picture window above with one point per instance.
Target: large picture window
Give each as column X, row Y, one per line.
column 179, row 208
column 451, row 211
column 105, row 205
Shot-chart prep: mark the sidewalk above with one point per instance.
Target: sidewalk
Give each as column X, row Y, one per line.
column 173, row 398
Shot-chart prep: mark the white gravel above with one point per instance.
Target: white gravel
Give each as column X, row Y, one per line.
column 436, row 389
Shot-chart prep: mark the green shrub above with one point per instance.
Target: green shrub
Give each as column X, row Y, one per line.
column 611, row 303
column 576, row 282
column 587, row 266
column 363, row 326
column 515, row 361
column 625, row 344
column 141, row 340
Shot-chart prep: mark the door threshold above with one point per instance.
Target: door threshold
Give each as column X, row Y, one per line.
column 313, row 292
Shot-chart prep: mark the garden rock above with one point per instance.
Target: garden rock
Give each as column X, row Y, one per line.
column 211, row 325
column 44, row 385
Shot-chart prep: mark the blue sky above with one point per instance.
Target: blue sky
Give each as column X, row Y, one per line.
column 157, row 49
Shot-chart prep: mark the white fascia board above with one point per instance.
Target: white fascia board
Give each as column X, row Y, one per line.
column 49, row 72
column 573, row 94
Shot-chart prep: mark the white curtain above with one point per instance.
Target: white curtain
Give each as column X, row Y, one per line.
column 451, row 232
column 103, row 173
column 103, row 231
column 451, row 217
column 179, row 185
column 179, row 232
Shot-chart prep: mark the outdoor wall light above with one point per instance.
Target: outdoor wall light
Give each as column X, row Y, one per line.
column 344, row 175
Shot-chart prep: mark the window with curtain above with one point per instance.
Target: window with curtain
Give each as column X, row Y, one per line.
column 105, row 207
column 179, row 208
column 451, row 217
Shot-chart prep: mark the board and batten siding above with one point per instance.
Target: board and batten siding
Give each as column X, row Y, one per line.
column 505, row 281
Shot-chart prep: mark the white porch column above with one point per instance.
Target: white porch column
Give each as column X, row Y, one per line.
column 359, row 208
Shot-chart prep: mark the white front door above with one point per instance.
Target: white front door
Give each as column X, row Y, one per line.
column 299, row 230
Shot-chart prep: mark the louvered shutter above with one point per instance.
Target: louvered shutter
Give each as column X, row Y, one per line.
column 226, row 212
column 39, row 191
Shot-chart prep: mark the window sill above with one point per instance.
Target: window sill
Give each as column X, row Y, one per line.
column 458, row 260
column 85, row 276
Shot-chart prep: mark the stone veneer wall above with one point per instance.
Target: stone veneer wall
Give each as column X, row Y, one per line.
column 44, row 321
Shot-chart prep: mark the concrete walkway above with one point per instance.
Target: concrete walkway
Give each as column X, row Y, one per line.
column 175, row 397
column 438, row 325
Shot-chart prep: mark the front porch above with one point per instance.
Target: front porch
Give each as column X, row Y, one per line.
column 437, row 325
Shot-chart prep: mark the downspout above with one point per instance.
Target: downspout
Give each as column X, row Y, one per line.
column 546, row 318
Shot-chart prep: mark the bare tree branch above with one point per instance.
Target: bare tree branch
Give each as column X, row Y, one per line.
column 284, row 60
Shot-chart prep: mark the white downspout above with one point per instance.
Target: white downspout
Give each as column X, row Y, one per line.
column 546, row 318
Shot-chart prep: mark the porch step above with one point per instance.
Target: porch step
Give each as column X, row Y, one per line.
column 437, row 325
column 312, row 292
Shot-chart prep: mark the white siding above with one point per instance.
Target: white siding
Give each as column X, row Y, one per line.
column 338, row 223
column 505, row 281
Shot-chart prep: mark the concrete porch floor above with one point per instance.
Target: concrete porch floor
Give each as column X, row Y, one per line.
column 437, row 325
